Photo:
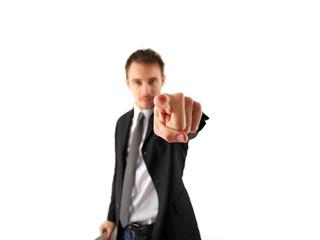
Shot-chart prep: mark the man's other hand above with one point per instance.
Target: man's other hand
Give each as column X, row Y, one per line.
column 175, row 116
column 108, row 227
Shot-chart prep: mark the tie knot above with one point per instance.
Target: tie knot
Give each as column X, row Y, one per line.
column 140, row 117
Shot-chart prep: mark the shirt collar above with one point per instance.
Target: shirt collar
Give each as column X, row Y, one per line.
column 146, row 112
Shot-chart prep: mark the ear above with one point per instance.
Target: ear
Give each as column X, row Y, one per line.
column 163, row 80
column 128, row 84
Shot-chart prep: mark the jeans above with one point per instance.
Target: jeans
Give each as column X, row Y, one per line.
column 128, row 235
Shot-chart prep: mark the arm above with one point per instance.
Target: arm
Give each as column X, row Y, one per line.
column 109, row 225
column 112, row 206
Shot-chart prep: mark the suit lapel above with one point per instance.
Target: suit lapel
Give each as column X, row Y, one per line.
column 149, row 129
column 124, row 134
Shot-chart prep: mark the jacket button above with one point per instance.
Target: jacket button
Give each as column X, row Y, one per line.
column 144, row 153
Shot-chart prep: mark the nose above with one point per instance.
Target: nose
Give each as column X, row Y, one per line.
column 146, row 89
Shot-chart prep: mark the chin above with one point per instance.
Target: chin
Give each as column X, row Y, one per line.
column 146, row 106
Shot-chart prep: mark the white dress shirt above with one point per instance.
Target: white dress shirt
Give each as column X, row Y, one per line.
column 145, row 202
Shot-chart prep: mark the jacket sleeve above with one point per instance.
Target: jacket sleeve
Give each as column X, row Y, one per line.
column 112, row 210
column 203, row 120
column 112, row 207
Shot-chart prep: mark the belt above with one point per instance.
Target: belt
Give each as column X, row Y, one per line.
column 141, row 230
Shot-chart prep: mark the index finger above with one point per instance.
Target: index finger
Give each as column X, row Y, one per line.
column 161, row 101
column 173, row 106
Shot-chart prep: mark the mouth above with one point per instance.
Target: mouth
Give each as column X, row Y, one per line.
column 146, row 100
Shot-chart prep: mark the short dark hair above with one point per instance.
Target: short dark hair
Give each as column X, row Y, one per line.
column 145, row 56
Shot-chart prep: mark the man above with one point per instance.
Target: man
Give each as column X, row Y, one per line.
column 151, row 202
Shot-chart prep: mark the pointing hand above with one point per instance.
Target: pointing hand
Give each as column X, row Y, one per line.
column 175, row 116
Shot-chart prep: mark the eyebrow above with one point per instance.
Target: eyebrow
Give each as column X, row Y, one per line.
column 139, row 79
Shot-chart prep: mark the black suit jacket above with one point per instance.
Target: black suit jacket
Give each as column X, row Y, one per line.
column 165, row 163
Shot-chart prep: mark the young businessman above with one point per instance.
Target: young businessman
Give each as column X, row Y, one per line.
column 149, row 200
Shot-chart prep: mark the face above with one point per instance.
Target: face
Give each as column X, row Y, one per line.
column 145, row 82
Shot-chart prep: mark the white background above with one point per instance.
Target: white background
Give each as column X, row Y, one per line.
column 252, row 173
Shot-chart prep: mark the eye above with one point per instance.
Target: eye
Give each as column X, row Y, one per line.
column 137, row 82
column 152, row 81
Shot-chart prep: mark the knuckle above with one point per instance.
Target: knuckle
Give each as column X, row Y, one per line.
column 197, row 106
column 193, row 129
column 179, row 96
column 189, row 106
column 187, row 130
column 188, row 101
column 180, row 125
